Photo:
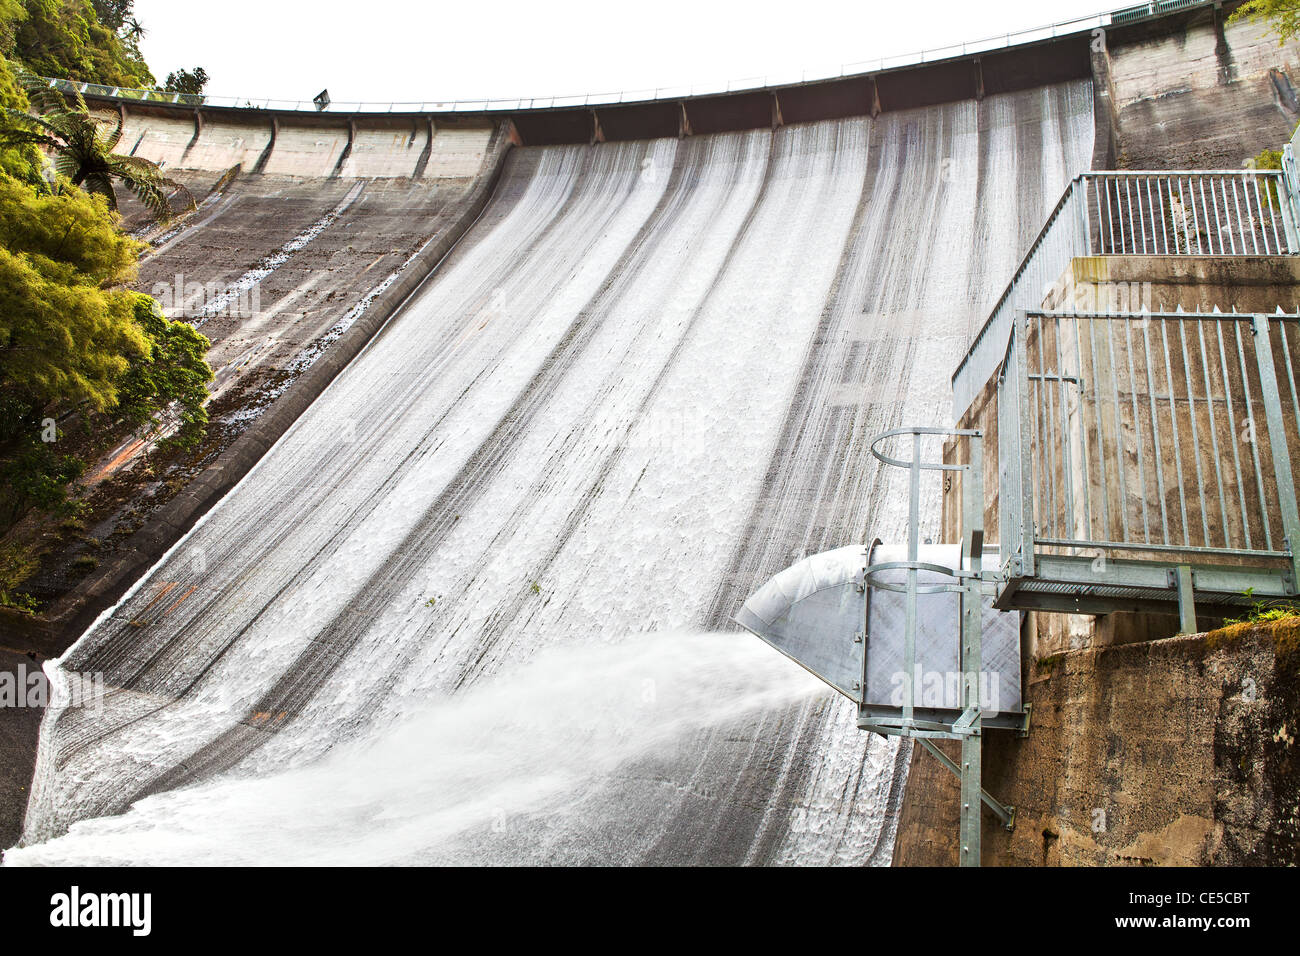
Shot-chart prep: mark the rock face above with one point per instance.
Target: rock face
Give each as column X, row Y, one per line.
column 1171, row 752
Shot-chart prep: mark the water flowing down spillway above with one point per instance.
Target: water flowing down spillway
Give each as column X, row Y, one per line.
column 467, row 609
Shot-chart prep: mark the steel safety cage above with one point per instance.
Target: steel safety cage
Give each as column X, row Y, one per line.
column 825, row 613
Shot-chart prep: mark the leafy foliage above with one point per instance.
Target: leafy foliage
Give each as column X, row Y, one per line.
column 17, row 563
column 83, row 148
column 78, row 39
column 37, row 476
column 113, row 13
column 1268, row 159
column 187, row 81
column 65, row 339
column 11, row 15
column 171, row 379
column 72, row 343
column 76, row 346
column 1282, row 15
column 23, row 160
column 63, row 335
column 1266, row 611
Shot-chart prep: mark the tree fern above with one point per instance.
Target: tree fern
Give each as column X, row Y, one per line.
column 82, row 149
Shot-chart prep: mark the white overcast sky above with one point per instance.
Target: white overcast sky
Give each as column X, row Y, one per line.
column 398, row 50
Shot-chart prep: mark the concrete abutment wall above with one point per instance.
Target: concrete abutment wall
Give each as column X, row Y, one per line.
column 1173, row 752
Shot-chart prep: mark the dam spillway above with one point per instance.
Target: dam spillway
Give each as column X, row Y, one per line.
column 642, row 383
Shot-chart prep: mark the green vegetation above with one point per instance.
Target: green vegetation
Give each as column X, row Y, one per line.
column 83, row 358
column 83, row 149
column 73, row 341
column 1282, row 15
column 17, row 563
column 1268, row 159
column 169, row 379
column 1049, row 662
column 78, row 39
column 1266, row 611
column 190, row 82
column 19, row 601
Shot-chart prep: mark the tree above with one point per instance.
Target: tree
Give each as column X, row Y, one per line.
column 22, row 161
column 83, row 149
column 1283, row 16
column 66, row 334
column 11, row 15
column 79, row 40
column 133, row 30
column 75, row 344
column 187, row 81
column 114, row 13
column 66, row 337
column 74, row 341
column 169, row 383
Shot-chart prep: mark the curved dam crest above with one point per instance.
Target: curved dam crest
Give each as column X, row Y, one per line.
column 642, row 383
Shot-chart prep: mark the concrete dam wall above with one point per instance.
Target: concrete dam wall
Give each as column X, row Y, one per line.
column 329, row 217
column 643, row 382
column 1209, row 95
column 288, row 272
column 317, row 231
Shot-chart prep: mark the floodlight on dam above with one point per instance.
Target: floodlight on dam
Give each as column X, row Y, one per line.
column 909, row 632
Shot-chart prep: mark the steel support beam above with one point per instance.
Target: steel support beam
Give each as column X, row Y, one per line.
column 1006, row 814
column 1079, row 584
column 1186, row 600
column 972, row 634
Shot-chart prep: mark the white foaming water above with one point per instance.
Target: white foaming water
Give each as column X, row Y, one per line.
column 495, row 762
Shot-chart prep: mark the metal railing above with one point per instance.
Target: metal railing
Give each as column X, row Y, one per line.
column 1144, row 10
column 514, row 104
column 1187, row 213
column 1291, row 175
column 1150, row 434
column 1061, row 239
